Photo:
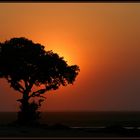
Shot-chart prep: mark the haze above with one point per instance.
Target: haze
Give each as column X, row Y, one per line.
column 102, row 38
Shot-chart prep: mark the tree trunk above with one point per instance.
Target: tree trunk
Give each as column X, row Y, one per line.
column 23, row 115
column 28, row 113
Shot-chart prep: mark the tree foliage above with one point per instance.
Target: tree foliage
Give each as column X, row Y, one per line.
column 24, row 64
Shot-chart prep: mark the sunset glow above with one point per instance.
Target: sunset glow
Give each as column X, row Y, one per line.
column 101, row 38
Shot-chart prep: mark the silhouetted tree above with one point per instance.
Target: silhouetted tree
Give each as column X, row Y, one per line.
column 26, row 65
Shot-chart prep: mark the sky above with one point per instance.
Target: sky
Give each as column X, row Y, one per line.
column 103, row 39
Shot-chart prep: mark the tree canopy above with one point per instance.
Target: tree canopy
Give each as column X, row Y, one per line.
column 26, row 64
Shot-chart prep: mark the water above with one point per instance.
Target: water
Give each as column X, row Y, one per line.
column 92, row 119
column 82, row 119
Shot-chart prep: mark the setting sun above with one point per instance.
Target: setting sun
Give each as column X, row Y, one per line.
column 63, row 52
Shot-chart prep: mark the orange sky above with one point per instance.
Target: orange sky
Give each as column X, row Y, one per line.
column 102, row 38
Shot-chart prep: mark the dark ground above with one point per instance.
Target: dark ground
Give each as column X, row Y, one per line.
column 62, row 131
column 90, row 125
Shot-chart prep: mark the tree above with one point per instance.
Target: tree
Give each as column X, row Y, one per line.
column 32, row 71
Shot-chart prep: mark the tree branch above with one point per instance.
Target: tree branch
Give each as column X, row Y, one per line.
column 17, row 86
column 42, row 91
column 38, row 92
column 28, row 86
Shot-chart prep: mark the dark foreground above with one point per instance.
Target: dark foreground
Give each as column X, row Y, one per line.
column 62, row 131
column 120, row 124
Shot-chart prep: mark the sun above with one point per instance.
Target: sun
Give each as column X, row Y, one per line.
column 66, row 48
column 62, row 51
